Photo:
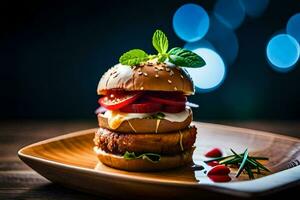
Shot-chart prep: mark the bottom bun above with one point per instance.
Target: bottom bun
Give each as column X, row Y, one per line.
column 165, row 162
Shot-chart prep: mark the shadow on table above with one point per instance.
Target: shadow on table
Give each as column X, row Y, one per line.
column 55, row 191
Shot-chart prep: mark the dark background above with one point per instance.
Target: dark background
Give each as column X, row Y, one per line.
column 53, row 53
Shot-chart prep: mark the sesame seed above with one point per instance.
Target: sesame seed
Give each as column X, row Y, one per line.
column 170, row 81
column 156, row 69
column 167, row 69
column 145, row 74
column 181, row 76
column 171, row 73
column 140, row 73
column 112, row 96
column 142, row 88
column 175, row 88
column 156, row 75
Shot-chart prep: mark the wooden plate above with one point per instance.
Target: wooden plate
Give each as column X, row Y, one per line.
column 70, row 161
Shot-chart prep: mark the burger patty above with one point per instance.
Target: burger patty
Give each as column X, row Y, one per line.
column 161, row 143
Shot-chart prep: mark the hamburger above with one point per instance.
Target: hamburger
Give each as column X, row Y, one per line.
column 144, row 120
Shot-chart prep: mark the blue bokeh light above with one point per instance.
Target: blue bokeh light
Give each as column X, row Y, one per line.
column 212, row 74
column 293, row 26
column 283, row 52
column 255, row 8
column 199, row 44
column 230, row 12
column 223, row 39
column 190, row 22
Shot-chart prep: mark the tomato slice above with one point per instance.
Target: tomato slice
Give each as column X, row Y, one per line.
column 117, row 100
column 171, row 98
column 166, row 101
column 143, row 102
column 142, row 107
column 173, row 108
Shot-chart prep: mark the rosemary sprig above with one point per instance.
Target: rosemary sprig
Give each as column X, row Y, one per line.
column 229, row 160
column 242, row 166
column 244, row 162
column 249, row 171
column 220, row 158
column 261, row 166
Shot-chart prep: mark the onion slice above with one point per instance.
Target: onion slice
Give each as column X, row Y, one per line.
column 100, row 110
column 192, row 105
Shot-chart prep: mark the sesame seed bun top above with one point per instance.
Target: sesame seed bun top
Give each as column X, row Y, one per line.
column 149, row 76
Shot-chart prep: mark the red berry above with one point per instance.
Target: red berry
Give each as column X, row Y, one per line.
column 215, row 152
column 213, row 163
column 219, row 170
column 220, row 178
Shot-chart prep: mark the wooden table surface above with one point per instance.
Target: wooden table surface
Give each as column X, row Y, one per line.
column 17, row 181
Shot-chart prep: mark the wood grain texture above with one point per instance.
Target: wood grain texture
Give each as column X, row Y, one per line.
column 17, row 181
column 70, row 160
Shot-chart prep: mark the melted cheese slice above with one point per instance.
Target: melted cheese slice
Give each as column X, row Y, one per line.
column 116, row 118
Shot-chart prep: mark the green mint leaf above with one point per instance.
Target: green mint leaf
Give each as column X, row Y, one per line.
column 152, row 157
column 133, row 57
column 160, row 42
column 162, row 57
column 185, row 58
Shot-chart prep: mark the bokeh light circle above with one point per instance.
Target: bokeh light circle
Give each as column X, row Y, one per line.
column 190, row 22
column 255, row 8
column 199, row 44
column 293, row 26
column 283, row 52
column 223, row 39
column 230, row 12
column 212, row 74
